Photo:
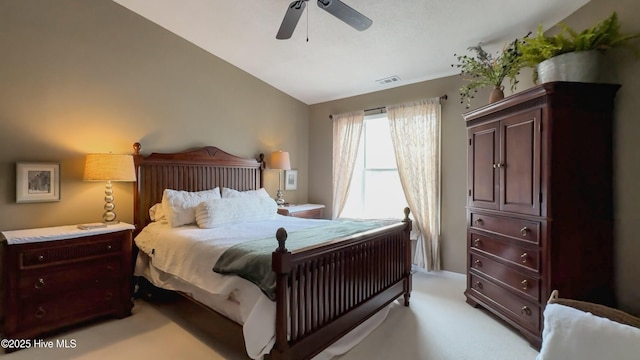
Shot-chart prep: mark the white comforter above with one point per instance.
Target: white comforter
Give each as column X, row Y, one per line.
column 189, row 253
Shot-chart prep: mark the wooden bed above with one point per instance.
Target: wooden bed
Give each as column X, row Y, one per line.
column 322, row 292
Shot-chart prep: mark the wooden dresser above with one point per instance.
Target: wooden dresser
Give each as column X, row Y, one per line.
column 540, row 201
column 54, row 277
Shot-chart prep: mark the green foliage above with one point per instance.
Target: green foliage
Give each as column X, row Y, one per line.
column 484, row 69
column 602, row 36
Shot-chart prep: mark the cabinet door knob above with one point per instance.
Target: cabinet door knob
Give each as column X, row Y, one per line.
column 39, row 283
column 40, row 313
column 525, row 284
column 478, row 263
column 524, row 231
column 524, row 257
column 525, row 311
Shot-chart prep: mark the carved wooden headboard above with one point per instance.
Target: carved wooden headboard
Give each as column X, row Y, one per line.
column 192, row 170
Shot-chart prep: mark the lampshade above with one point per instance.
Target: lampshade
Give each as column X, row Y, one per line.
column 109, row 167
column 280, row 160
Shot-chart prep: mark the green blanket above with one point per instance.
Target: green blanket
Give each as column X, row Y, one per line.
column 252, row 260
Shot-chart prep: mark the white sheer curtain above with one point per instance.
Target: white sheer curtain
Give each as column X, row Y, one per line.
column 415, row 131
column 347, row 129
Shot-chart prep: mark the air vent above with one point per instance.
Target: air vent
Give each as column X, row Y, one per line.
column 389, row 80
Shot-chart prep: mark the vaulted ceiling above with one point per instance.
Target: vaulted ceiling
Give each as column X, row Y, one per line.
column 326, row 59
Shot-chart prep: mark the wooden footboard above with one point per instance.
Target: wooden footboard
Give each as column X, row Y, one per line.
column 323, row 292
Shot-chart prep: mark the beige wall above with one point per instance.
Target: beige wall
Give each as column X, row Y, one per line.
column 82, row 76
column 622, row 68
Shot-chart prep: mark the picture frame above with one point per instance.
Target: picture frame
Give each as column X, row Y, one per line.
column 291, row 179
column 37, row 182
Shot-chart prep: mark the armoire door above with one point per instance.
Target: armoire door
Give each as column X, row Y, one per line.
column 484, row 147
column 519, row 163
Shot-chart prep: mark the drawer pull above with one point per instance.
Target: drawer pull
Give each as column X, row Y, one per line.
column 40, row 312
column 524, row 231
column 41, row 258
column 109, row 267
column 525, row 311
column 525, row 284
column 108, row 296
column 478, row 263
column 39, row 284
column 479, row 221
column 109, row 247
column 476, row 242
column 524, row 257
column 479, row 285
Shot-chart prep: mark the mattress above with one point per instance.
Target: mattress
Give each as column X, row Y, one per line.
column 182, row 259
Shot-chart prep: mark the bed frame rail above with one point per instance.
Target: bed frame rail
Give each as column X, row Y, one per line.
column 324, row 292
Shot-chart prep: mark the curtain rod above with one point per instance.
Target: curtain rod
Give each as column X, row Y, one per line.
column 381, row 108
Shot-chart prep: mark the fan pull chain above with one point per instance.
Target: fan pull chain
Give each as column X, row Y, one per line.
column 308, row 24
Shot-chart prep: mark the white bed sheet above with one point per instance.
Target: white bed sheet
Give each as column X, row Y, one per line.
column 183, row 258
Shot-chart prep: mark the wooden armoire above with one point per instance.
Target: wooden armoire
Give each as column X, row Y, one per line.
column 540, row 201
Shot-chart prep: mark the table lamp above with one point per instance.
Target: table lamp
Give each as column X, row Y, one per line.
column 109, row 167
column 280, row 161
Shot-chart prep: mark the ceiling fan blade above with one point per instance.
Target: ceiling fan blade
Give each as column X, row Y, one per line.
column 291, row 18
column 346, row 13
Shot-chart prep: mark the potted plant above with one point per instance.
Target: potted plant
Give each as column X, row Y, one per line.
column 484, row 69
column 571, row 55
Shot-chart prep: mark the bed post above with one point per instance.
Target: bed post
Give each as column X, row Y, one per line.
column 407, row 266
column 281, row 265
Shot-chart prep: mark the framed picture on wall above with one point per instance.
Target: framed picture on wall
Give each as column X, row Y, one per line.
column 37, row 182
column 290, row 179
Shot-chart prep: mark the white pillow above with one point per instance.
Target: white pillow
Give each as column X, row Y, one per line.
column 156, row 213
column 230, row 193
column 570, row 333
column 218, row 212
column 180, row 206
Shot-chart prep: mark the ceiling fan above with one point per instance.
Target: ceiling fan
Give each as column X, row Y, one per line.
column 334, row 7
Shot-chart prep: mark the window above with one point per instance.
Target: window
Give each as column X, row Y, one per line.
column 375, row 191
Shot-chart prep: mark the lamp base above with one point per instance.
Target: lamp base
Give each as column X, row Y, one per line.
column 280, row 198
column 109, row 216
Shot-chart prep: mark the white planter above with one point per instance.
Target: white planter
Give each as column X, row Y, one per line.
column 580, row 66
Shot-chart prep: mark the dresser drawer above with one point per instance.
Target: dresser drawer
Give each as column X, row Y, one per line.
column 64, row 278
column 524, row 284
column 527, row 258
column 524, row 312
column 70, row 308
column 56, row 254
column 519, row 229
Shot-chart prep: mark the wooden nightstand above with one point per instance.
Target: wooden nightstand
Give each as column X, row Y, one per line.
column 307, row 211
column 59, row 276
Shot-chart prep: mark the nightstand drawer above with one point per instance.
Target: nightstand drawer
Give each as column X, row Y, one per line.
column 66, row 253
column 64, row 278
column 69, row 308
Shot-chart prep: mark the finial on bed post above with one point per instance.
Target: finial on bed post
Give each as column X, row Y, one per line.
column 281, row 235
column 263, row 164
column 136, row 148
column 406, row 214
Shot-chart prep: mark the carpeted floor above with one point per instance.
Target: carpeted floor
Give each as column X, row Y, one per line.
column 438, row 325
